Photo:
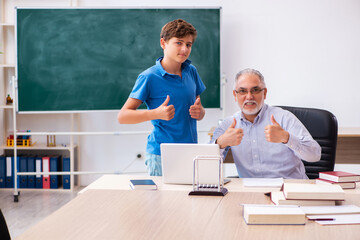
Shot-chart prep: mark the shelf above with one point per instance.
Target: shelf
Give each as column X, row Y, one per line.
column 7, row 65
column 349, row 132
column 40, row 147
column 61, row 189
column 6, row 107
column 7, row 24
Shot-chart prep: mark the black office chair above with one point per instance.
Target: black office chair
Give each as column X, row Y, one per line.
column 4, row 231
column 323, row 127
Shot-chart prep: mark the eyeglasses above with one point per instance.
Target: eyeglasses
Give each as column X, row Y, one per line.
column 253, row 91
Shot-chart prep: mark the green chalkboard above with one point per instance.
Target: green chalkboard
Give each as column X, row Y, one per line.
column 89, row 59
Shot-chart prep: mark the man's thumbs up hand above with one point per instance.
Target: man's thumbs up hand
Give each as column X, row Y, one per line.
column 233, row 124
column 275, row 133
column 231, row 137
column 274, row 122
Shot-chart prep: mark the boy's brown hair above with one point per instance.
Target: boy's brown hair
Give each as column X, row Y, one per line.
column 178, row 28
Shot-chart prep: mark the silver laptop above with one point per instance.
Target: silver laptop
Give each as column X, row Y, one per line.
column 177, row 163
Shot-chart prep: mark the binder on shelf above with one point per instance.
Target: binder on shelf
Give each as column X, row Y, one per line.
column 55, row 166
column 38, row 168
column 23, row 168
column 31, row 168
column 2, row 171
column 10, row 172
column 46, row 168
column 66, row 168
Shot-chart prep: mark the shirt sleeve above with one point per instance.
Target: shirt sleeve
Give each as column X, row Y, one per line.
column 200, row 86
column 301, row 141
column 220, row 130
column 141, row 88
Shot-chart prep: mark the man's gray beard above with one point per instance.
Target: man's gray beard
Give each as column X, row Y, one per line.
column 253, row 112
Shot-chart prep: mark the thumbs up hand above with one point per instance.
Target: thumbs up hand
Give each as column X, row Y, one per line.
column 165, row 112
column 196, row 110
column 275, row 133
column 231, row 137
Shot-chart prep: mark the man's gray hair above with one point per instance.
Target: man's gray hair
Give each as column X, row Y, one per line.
column 249, row 71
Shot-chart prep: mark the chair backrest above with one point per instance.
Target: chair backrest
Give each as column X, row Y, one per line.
column 4, row 231
column 323, row 127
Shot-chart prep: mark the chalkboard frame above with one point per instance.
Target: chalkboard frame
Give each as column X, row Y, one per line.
column 22, row 88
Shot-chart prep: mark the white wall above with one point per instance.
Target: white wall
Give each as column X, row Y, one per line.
column 308, row 51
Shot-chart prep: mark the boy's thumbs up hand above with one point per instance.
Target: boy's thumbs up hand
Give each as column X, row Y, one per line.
column 165, row 112
column 166, row 102
column 231, row 137
column 275, row 133
column 196, row 110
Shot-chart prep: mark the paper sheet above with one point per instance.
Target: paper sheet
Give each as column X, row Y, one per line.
column 336, row 219
column 263, row 182
column 330, row 209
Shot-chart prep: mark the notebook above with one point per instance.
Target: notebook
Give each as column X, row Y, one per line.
column 177, row 163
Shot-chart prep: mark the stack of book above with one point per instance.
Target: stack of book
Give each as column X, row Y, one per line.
column 270, row 214
column 344, row 179
column 307, row 194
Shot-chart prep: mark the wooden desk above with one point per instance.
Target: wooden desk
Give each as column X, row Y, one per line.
column 166, row 214
column 121, row 182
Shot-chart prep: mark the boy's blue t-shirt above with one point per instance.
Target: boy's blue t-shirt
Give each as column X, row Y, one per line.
column 152, row 87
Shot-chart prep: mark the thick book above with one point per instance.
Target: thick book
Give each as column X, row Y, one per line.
column 55, row 166
column 340, row 176
column 313, row 191
column 23, row 168
column 270, row 214
column 38, row 168
column 31, row 168
column 278, row 198
column 66, row 168
column 143, row 184
column 46, row 168
column 344, row 185
column 2, row 171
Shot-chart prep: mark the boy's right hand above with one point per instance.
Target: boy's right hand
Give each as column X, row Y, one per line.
column 231, row 137
column 165, row 112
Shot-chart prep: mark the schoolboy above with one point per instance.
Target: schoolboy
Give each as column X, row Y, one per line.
column 171, row 90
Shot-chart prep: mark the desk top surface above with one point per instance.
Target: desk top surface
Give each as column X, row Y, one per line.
column 147, row 214
column 121, row 182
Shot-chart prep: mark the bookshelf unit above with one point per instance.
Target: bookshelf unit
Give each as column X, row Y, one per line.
column 8, row 112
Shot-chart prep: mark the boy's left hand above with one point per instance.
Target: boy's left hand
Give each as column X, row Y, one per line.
column 197, row 111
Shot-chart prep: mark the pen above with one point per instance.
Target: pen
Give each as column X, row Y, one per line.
column 322, row 219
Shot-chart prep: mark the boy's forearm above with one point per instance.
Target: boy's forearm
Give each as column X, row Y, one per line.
column 129, row 116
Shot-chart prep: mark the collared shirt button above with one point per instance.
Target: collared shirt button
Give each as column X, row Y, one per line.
column 254, row 141
column 257, row 170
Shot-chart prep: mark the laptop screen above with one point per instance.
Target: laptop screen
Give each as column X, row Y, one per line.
column 177, row 162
